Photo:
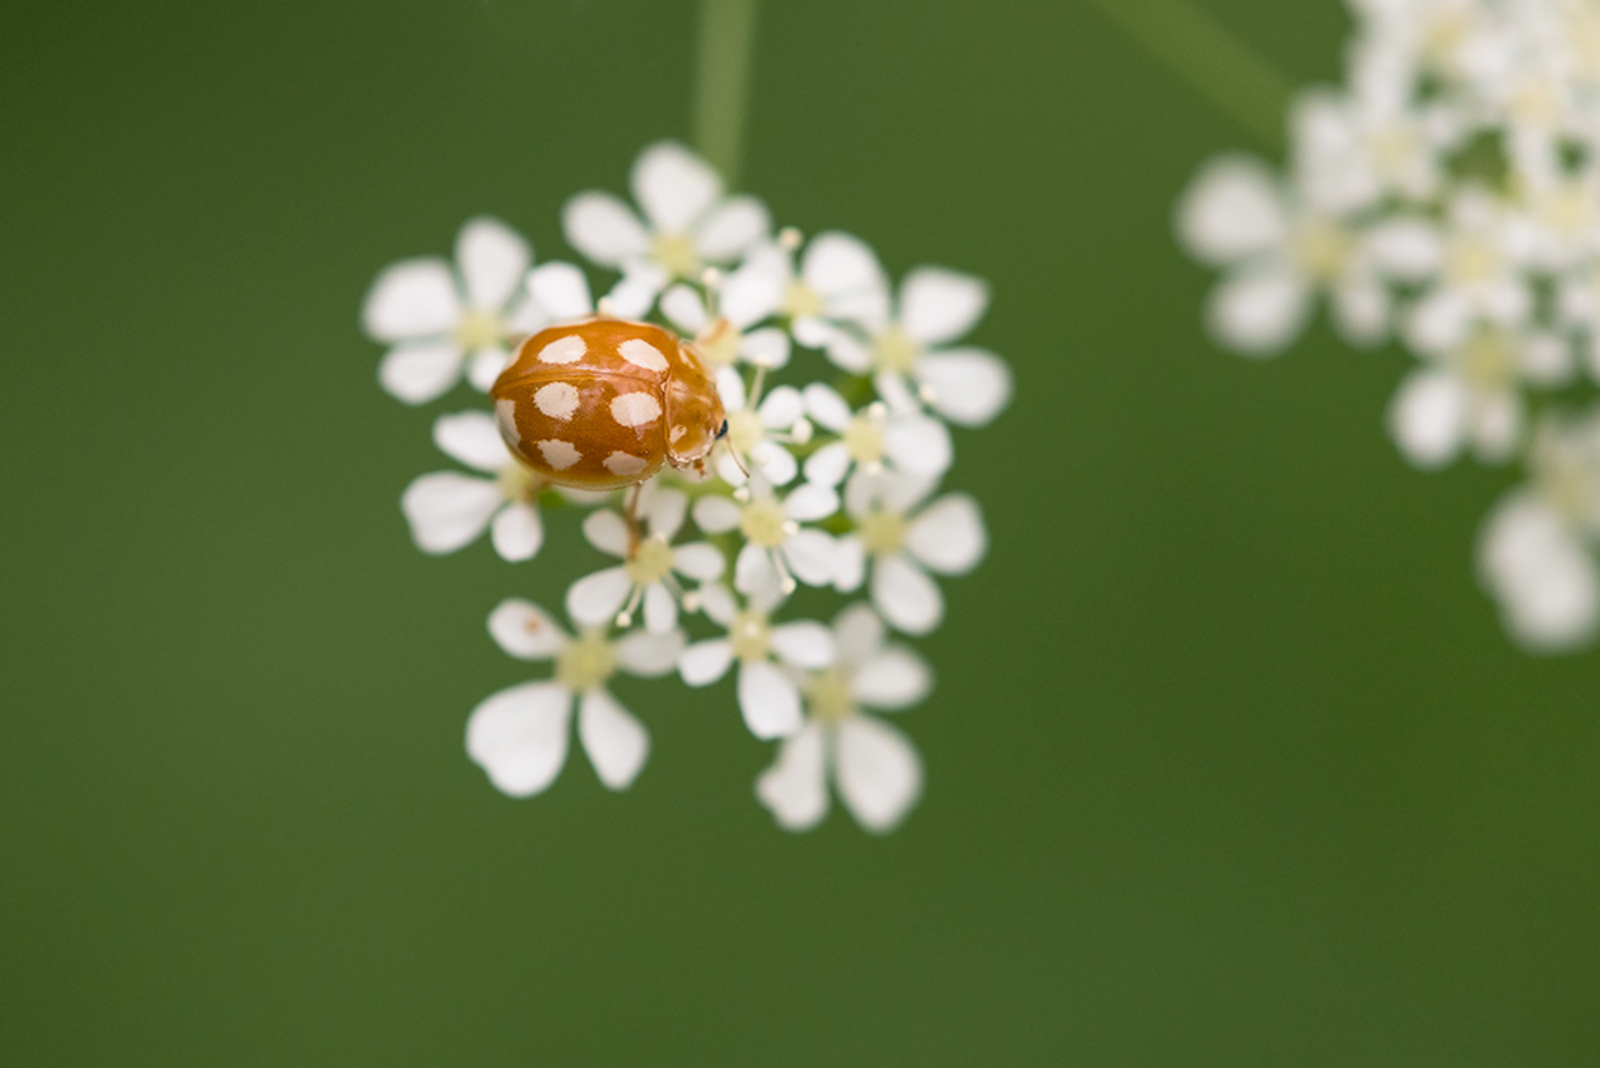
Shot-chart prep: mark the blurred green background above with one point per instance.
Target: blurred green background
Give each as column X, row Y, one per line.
column 1230, row 762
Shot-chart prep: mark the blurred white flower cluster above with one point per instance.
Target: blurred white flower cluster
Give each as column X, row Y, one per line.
column 839, row 392
column 1448, row 196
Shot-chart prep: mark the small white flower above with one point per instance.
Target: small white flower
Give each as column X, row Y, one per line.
column 447, row 510
column 1541, row 572
column 1480, row 276
column 905, row 346
column 1280, row 253
column 687, row 223
column 1471, row 395
column 947, row 537
column 778, row 549
column 519, row 735
column 875, row 768
column 907, row 439
column 839, row 282
column 759, row 429
column 648, row 571
column 730, row 333
column 768, row 697
column 436, row 317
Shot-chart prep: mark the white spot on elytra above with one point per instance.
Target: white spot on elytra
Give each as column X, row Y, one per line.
column 633, row 409
column 505, row 415
column 642, row 354
column 569, row 349
column 624, row 464
column 558, row 400
column 560, row 455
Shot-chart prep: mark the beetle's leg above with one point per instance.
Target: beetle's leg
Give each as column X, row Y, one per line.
column 633, row 519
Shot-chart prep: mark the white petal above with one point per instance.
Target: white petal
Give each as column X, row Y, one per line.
column 781, row 408
column 716, row 515
column 650, row 655
column 767, row 347
column 447, row 510
column 517, row 532
column 673, row 186
column 730, row 387
column 486, row 365
column 660, row 609
column 699, row 560
column 812, row 555
column 827, row 408
column 895, row 678
column 493, row 259
column 808, row 502
column 562, row 290
column 859, row 633
column 519, row 736
column 525, row 631
column 918, row 444
column 1361, row 312
column 705, row 662
column 1545, row 580
column 754, row 573
column 777, row 464
column 839, row 263
column 603, row 228
column 908, row 599
column 939, row 305
column 472, row 438
column 1230, row 210
column 635, row 292
column 795, row 787
column 846, row 352
column 804, row 643
column 1427, row 417
column 663, row 510
column 969, row 386
column 732, row 227
column 827, row 466
column 615, row 740
column 1496, row 425
column 1258, row 312
column 1407, row 249
column 594, row 600
column 769, row 700
column 412, row 299
column 419, row 372
column 849, row 564
column 717, row 602
column 607, row 531
column 1438, row 322
column 879, row 772
column 948, row 537
column 685, row 310
column 756, row 289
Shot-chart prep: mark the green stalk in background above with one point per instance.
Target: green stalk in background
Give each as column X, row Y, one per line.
column 1206, row 54
column 722, row 74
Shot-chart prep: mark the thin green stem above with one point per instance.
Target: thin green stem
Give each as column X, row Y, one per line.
column 1208, row 55
column 722, row 75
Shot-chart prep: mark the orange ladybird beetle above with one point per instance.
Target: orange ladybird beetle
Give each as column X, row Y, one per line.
column 603, row 403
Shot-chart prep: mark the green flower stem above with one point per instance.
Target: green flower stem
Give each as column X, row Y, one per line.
column 1190, row 42
column 722, row 76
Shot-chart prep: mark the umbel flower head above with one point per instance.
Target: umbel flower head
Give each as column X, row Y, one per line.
column 1446, row 196
column 839, row 391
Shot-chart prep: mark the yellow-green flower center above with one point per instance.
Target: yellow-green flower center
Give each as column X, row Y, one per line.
column 1488, row 360
column 883, row 532
column 676, row 253
column 864, row 438
column 749, row 635
column 1321, row 248
column 1472, row 259
column 763, row 524
column 801, row 301
column 719, row 345
column 829, row 696
column 479, row 329
column 651, row 562
column 744, row 430
column 586, row 663
column 894, row 351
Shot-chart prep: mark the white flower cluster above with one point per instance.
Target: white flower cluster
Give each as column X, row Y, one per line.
column 824, row 484
column 1448, row 196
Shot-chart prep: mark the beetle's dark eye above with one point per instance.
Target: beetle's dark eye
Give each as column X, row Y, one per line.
column 723, row 432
